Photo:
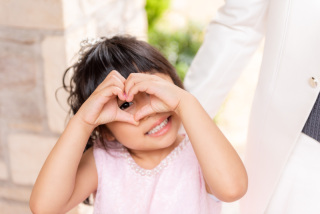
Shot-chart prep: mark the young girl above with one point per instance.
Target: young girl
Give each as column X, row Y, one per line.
column 151, row 147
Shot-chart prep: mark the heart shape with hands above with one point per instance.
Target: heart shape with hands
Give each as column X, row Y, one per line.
column 103, row 104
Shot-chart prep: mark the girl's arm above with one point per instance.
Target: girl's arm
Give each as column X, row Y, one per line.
column 68, row 177
column 222, row 168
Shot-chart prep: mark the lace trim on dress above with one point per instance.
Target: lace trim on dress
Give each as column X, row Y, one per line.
column 163, row 164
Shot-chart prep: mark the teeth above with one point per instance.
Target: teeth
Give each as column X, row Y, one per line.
column 158, row 127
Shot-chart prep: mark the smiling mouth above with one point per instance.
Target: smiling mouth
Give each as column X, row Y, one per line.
column 158, row 127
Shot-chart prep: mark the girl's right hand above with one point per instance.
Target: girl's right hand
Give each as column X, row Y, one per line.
column 102, row 105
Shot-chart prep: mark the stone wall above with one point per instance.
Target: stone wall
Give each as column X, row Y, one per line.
column 38, row 40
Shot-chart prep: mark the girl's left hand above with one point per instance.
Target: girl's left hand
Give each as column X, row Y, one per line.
column 164, row 95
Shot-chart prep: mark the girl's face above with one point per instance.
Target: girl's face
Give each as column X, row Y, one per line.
column 154, row 132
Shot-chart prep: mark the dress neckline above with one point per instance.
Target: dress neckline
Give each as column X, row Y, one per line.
column 163, row 164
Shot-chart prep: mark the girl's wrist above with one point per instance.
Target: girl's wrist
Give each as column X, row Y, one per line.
column 83, row 126
column 186, row 100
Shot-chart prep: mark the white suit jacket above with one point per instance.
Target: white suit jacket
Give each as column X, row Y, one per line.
column 285, row 92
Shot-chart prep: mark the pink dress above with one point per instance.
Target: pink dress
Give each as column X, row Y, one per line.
column 176, row 185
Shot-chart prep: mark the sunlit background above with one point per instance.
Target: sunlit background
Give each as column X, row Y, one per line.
column 39, row 39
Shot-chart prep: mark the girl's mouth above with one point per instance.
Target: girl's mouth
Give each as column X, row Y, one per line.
column 160, row 129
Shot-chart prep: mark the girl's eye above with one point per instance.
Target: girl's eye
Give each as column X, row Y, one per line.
column 125, row 105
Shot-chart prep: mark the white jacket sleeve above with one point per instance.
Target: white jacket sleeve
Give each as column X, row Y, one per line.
column 230, row 41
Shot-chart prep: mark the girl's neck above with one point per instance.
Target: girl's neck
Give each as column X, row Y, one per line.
column 150, row 159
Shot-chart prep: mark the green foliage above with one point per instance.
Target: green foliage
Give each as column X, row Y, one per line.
column 155, row 9
column 179, row 46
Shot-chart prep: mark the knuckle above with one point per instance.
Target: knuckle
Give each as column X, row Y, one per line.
column 113, row 77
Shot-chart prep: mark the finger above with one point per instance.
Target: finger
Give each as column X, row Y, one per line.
column 111, row 91
column 134, row 79
column 113, row 78
column 112, row 83
column 143, row 112
column 126, row 117
column 116, row 73
column 99, row 101
column 143, row 86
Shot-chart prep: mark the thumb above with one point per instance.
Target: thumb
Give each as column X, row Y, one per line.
column 126, row 117
column 143, row 112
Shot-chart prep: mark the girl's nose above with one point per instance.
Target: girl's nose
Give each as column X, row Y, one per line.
column 142, row 99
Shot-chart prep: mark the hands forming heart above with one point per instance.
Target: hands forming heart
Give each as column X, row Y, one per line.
column 102, row 106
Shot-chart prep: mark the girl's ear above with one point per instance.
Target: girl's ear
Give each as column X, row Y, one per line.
column 108, row 135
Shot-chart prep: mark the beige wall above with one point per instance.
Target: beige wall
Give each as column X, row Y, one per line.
column 38, row 40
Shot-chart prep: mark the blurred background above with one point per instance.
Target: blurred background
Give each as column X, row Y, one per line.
column 40, row 39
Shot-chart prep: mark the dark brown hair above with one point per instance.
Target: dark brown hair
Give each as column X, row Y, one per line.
column 125, row 54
